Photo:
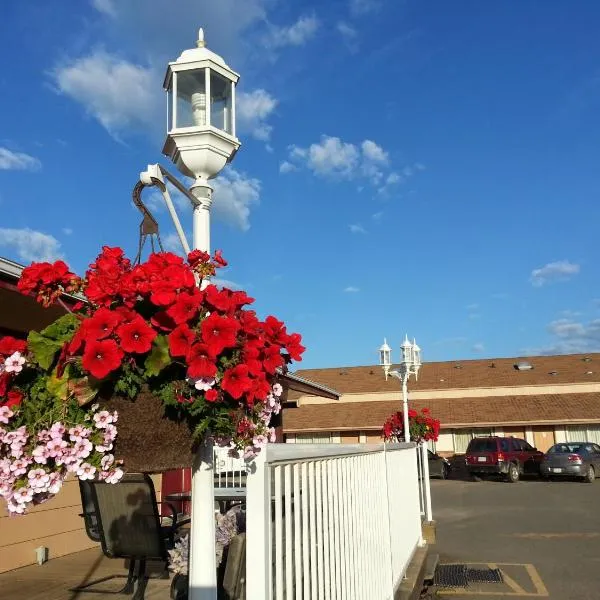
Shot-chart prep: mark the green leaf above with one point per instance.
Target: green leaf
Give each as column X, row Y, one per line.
column 43, row 349
column 58, row 386
column 62, row 329
column 82, row 390
column 159, row 357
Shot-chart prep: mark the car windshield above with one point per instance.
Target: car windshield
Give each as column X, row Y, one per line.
column 482, row 445
column 565, row 448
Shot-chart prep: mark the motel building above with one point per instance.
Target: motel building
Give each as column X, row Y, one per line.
column 542, row 399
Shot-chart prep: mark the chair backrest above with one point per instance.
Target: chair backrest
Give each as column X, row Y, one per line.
column 89, row 512
column 128, row 519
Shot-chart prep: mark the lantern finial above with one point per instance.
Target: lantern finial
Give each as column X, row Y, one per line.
column 201, row 43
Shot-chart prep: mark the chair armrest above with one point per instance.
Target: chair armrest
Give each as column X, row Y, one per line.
column 173, row 513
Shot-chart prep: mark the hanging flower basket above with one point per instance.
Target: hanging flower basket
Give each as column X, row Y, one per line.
column 150, row 365
column 421, row 425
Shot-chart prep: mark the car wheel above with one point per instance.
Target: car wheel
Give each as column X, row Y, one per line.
column 513, row 473
column 590, row 475
column 445, row 471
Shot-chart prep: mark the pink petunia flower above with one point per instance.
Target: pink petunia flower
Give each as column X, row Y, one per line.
column 86, row 471
column 103, row 418
column 14, row 363
column 5, row 414
column 38, row 479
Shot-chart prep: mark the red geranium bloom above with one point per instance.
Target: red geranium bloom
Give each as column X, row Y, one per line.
column 211, row 395
column 9, row 345
column 218, row 258
column 201, row 361
column 136, row 336
column 412, row 413
column 101, row 357
column 180, row 340
column 102, row 323
column 219, row 332
column 186, row 306
column 163, row 293
column 236, row 381
column 14, row 399
column 272, row 359
column 198, row 256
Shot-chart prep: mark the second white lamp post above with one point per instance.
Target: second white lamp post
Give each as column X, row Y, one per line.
column 200, row 141
column 410, row 364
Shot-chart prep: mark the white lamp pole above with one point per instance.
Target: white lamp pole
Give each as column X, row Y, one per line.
column 409, row 365
column 201, row 141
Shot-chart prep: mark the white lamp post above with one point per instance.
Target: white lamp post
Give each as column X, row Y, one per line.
column 409, row 365
column 201, row 136
column 200, row 141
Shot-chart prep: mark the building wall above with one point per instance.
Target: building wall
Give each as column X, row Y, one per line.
column 56, row 524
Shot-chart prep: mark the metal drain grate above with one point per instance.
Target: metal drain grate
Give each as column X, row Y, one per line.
column 484, row 576
column 450, row 576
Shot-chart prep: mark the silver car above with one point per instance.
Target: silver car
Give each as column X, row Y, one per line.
column 572, row 459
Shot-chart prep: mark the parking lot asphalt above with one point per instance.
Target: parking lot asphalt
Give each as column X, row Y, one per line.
column 544, row 536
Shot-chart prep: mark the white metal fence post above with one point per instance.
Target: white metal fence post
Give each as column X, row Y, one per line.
column 258, row 529
column 426, row 482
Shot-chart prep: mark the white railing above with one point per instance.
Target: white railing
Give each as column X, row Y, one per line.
column 424, row 483
column 329, row 522
column 229, row 472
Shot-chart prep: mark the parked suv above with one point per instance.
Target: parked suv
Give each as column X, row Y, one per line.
column 508, row 456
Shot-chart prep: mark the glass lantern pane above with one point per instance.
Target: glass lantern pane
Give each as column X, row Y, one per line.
column 220, row 106
column 191, row 99
column 169, row 109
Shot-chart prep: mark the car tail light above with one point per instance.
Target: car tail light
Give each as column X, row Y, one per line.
column 574, row 458
column 500, row 457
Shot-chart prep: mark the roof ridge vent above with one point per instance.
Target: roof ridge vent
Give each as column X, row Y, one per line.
column 587, row 359
column 523, row 365
column 458, row 366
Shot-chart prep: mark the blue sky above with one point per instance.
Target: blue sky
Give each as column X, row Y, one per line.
column 415, row 166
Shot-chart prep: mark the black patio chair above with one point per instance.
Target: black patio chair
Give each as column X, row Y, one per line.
column 125, row 519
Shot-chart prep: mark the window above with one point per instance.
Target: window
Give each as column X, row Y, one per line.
column 462, row 437
column 313, row 438
column 504, row 444
column 482, row 445
column 577, row 433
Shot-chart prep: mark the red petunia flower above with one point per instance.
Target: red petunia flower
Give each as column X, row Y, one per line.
column 249, row 322
column 186, row 306
column 136, row 336
column 272, row 359
column 275, row 329
column 211, row 395
column 219, row 299
column 180, row 340
column 101, row 357
column 102, row 323
column 219, row 332
column 236, row 381
column 259, row 390
column 9, row 345
column 14, row 399
column 201, row 361
column 161, row 320
column 293, row 346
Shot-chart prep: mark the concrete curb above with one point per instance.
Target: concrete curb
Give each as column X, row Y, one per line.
column 412, row 584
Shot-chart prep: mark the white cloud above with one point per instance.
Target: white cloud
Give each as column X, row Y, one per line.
column 572, row 337
column 374, row 153
column 67, row 231
column 479, row 347
column 18, row 161
column 351, row 289
column 287, row 167
column 252, row 111
column 118, row 93
column 31, row 245
column 554, row 271
column 331, row 156
column 347, row 31
column 106, row 7
column 171, row 243
column 357, row 228
column 234, row 195
column 293, row 35
column 362, row 7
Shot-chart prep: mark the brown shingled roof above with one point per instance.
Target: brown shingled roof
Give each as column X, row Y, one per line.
column 452, row 412
column 459, row 374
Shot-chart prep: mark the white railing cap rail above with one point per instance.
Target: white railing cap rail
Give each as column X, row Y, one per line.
column 277, row 453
